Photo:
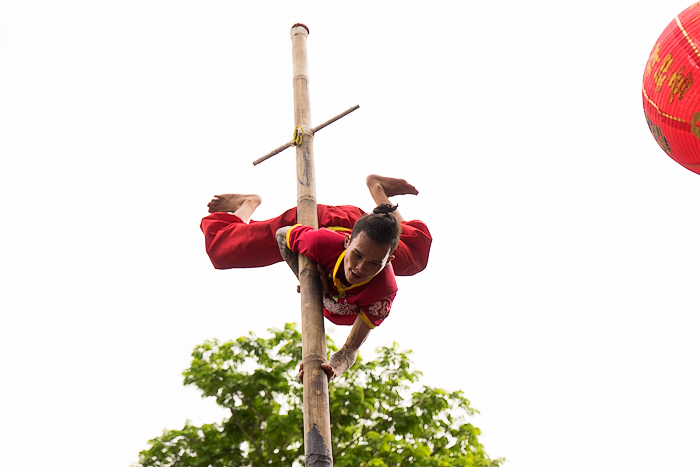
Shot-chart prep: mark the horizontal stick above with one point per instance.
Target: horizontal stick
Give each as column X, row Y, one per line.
column 272, row 153
column 313, row 130
column 337, row 117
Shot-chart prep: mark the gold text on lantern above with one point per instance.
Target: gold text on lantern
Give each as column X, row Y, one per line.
column 679, row 84
column 660, row 75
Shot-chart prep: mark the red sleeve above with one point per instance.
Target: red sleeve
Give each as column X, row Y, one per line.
column 374, row 314
column 301, row 240
column 323, row 246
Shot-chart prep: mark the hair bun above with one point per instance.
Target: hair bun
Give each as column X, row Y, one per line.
column 385, row 209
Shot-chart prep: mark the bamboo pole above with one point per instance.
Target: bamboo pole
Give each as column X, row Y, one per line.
column 317, row 427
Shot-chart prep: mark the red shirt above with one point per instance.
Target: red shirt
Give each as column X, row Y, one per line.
column 371, row 300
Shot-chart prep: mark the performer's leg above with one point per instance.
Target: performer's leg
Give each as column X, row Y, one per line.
column 411, row 256
column 231, row 242
column 338, row 216
column 381, row 188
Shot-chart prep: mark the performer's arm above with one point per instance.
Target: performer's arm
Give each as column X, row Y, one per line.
column 288, row 255
column 345, row 357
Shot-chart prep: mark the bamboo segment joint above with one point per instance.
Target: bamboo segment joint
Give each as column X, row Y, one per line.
column 314, row 357
column 307, row 197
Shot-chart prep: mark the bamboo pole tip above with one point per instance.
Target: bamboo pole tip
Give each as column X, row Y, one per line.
column 299, row 25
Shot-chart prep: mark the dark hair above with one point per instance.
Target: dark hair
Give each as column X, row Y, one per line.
column 381, row 226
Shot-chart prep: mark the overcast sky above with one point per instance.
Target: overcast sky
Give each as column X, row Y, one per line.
column 562, row 290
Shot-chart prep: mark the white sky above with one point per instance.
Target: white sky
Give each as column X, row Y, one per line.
column 562, row 290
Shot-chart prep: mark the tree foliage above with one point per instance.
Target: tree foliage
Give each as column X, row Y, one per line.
column 380, row 415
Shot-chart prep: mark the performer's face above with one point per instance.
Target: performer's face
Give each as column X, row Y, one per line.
column 364, row 259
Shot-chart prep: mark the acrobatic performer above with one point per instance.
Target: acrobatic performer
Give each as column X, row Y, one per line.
column 356, row 270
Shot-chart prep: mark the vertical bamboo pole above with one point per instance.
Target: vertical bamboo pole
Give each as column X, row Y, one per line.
column 317, row 427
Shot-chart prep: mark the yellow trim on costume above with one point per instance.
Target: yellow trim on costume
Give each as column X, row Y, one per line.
column 337, row 264
column 366, row 320
column 287, row 235
column 659, row 110
column 339, row 285
column 339, row 229
column 690, row 41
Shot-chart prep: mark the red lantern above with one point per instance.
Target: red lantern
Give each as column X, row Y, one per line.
column 671, row 97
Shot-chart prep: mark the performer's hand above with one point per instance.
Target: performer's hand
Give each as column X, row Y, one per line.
column 324, row 278
column 331, row 372
column 346, row 356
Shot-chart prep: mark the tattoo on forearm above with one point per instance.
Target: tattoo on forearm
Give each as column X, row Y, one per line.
column 343, row 359
column 288, row 255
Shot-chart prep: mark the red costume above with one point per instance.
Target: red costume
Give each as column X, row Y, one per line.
column 371, row 299
column 231, row 243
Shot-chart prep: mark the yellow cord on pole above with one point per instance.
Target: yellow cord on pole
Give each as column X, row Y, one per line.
column 297, row 136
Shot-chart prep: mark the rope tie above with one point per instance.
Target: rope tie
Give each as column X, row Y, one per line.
column 297, row 136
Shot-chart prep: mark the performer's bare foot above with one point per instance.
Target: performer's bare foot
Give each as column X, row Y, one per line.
column 231, row 202
column 381, row 188
column 390, row 186
column 242, row 206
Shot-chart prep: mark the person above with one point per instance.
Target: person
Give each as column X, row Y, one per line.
column 356, row 270
column 233, row 240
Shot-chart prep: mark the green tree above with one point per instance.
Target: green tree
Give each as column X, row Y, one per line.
column 380, row 415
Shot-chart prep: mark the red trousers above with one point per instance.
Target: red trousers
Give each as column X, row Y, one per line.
column 231, row 243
